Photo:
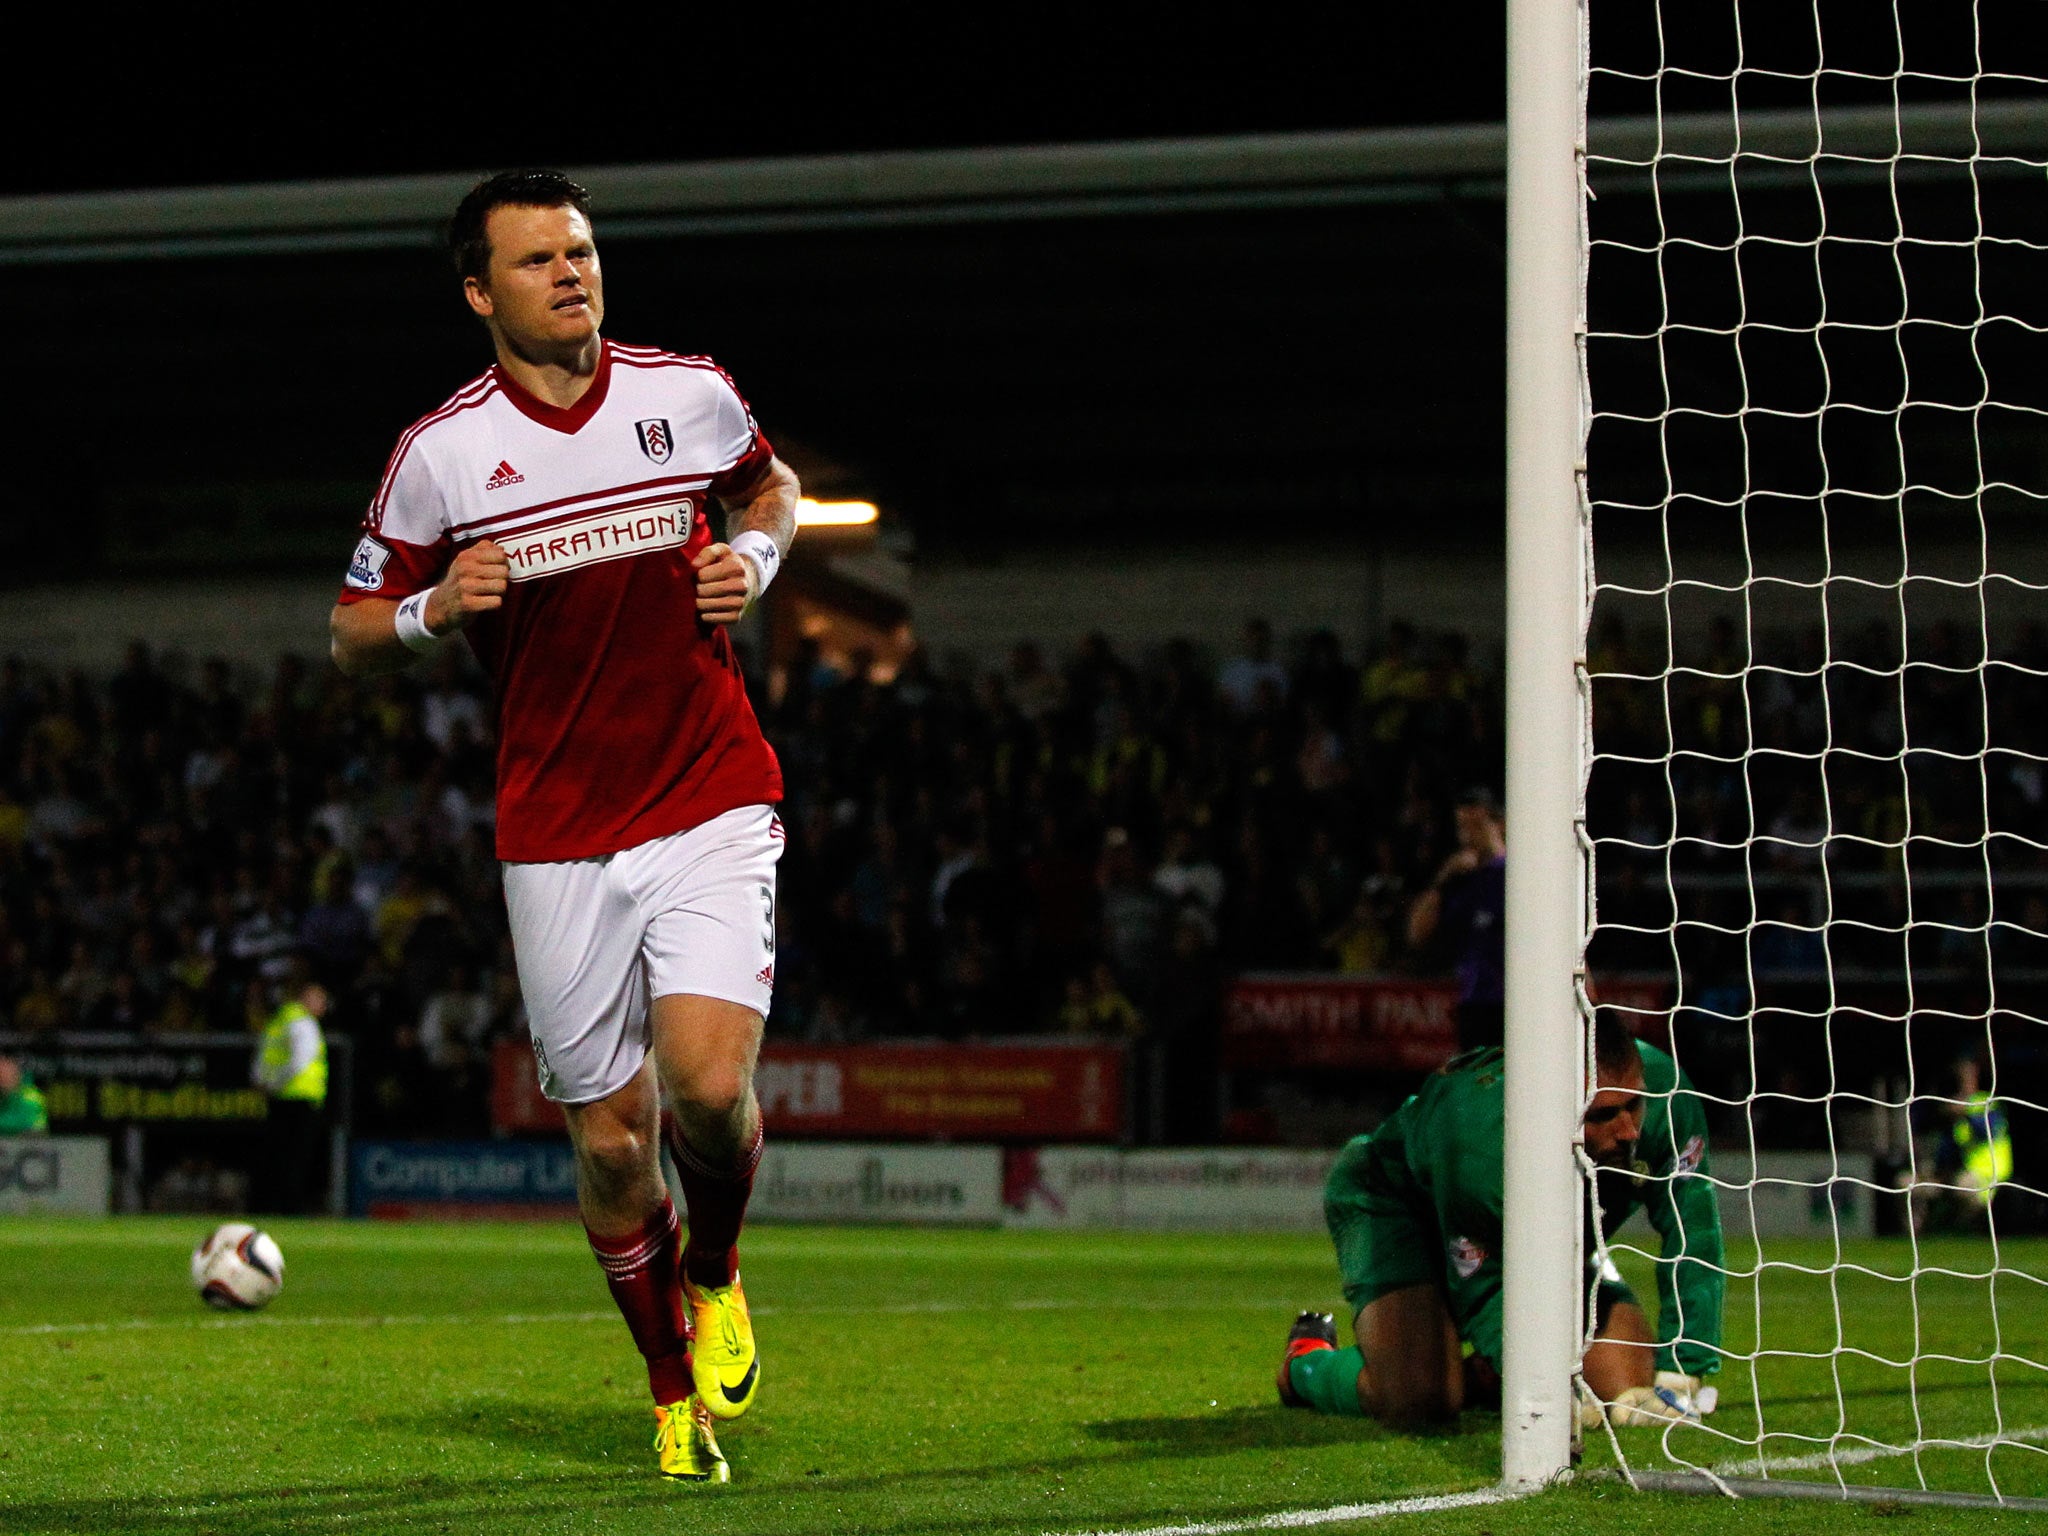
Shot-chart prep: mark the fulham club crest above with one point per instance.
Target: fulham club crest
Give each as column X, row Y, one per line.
column 656, row 441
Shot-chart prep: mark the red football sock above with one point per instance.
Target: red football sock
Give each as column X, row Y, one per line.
column 717, row 1201
column 642, row 1269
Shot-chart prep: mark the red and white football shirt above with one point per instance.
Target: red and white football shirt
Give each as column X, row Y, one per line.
column 621, row 716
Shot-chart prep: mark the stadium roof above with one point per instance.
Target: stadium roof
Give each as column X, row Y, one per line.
column 940, row 186
column 1303, row 330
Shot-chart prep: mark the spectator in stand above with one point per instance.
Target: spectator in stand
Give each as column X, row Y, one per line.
column 40, row 1008
column 335, row 932
column 189, row 826
column 1323, row 763
column 1134, row 916
column 959, row 855
column 1392, row 686
column 1097, row 1005
column 1264, row 928
column 13, row 822
column 123, row 1009
column 398, row 914
column 377, row 870
column 1033, row 689
column 1464, row 910
column 1186, row 876
column 1328, row 882
column 1252, row 681
column 1059, row 884
column 1363, row 942
column 456, row 1023
column 1187, row 1021
column 451, row 713
column 1325, row 680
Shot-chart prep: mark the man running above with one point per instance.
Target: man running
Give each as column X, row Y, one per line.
column 557, row 509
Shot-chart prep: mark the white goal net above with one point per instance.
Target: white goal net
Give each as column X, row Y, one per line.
column 1816, row 640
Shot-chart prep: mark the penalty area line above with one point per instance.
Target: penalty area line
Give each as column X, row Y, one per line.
column 1297, row 1519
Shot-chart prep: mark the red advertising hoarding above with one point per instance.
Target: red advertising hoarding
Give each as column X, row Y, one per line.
column 1358, row 1023
column 979, row 1092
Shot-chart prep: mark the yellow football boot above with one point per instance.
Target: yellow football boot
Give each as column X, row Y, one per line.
column 723, row 1362
column 685, row 1446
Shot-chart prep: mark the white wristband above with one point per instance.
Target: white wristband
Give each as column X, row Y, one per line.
column 411, row 623
column 765, row 557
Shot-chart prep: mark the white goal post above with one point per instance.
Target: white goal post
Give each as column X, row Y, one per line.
column 1777, row 717
column 1545, row 1066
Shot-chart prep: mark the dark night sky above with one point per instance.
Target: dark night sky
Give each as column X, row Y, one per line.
column 590, row 89
column 1045, row 367
column 1164, row 375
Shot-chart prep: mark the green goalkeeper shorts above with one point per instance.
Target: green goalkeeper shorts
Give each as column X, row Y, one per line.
column 1388, row 1239
column 1385, row 1233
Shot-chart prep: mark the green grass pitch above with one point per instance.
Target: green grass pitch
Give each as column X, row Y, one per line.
column 473, row 1377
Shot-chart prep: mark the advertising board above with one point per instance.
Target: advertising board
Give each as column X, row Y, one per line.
column 89, row 1087
column 1168, row 1189
column 457, row 1179
column 1352, row 1023
column 797, row 1181
column 979, row 1092
column 1796, row 1194
column 67, row 1174
column 861, row 1182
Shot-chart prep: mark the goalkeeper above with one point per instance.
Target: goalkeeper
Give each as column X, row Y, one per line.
column 1415, row 1212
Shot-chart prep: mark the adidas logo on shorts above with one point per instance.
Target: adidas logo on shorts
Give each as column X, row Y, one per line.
column 767, row 976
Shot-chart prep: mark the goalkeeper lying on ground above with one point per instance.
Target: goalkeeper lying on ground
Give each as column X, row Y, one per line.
column 1415, row 1212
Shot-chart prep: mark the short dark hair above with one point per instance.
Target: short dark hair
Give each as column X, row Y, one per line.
column 1614, row 1048
column 469, row 243
column 1481, row 796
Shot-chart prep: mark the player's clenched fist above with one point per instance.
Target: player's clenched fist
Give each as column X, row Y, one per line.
column 726, row 584
column 475, row 584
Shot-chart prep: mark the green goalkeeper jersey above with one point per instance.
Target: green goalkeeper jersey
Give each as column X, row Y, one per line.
column 1419, row 1200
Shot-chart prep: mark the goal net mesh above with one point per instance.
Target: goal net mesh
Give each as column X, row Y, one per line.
column 1816, row 690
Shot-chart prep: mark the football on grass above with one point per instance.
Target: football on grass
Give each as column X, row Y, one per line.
column 237, row 1268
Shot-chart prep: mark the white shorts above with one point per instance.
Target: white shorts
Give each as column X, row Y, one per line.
column 595, row 939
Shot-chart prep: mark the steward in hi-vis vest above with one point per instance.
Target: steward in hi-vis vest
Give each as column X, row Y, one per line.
column 1983, row 1145
column 291, row 1066
column 293, row 1061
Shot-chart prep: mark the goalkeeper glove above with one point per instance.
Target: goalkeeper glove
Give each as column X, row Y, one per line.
column 1703, row 1399
column 1646, row 1407
column 1592, row 1412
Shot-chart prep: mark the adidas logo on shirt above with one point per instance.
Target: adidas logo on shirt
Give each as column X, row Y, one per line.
column 503, row 476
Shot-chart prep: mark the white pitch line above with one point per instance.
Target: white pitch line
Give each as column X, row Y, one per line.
column 1856, row 1456
column 513, row 1319
column 1431, row 1503
column 1296, row 1519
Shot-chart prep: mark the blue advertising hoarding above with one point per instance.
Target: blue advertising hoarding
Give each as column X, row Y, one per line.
column 442, row 1179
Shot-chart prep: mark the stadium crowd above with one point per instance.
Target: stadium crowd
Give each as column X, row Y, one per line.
column 1087, row 846
column 1839, row 851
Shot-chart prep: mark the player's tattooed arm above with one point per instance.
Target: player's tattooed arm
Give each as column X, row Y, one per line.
column 761, row 525
column 369, row 637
